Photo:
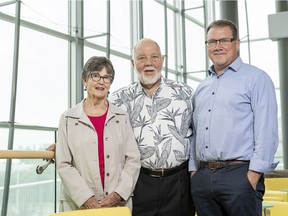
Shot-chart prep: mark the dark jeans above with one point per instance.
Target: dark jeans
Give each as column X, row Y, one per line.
column 226, row 192
column 164, row 196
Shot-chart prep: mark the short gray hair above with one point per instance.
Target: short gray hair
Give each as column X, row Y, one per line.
column 97, row 63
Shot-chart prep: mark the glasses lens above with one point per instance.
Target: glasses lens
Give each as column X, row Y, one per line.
column 224, row 42
column 95, row 77
column 107, row 79
column 211, row 43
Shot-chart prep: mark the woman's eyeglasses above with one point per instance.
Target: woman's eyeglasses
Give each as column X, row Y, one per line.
column 106, row 79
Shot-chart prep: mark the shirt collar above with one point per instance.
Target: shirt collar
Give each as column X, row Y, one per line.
column 234, row 66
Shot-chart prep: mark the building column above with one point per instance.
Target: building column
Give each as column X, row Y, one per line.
column 76, row 51
column 283, row 68
column 229, row 10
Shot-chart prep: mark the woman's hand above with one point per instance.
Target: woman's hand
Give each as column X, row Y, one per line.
column 91, row 203
column 52, row 147
column 111, row 200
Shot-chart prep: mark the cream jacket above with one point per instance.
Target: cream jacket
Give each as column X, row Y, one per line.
column 77, row 157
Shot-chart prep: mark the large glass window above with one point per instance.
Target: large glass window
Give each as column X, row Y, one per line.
column 153, row 22
column 122, row 73
column 195, row 50
column 30, row 193
column 46, row 13
column 95, row 21
column 6, row 68
column 42, row 72
column 120, row 26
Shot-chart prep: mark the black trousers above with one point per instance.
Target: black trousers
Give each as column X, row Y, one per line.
column 226, row 192
column 164, row 196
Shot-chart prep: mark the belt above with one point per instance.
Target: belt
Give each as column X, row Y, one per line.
column 220, row 164
column 161, row 172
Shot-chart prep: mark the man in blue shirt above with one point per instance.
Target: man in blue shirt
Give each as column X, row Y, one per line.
column 235, row 130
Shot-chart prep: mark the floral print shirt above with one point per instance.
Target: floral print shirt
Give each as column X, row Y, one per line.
column 162, row 123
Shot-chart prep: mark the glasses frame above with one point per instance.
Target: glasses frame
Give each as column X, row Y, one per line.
column 106, row 79
column 222, row 41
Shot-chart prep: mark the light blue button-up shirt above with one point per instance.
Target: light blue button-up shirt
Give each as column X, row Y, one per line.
column 235, row 118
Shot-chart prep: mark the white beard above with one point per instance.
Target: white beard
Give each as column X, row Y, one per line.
column 148, row 80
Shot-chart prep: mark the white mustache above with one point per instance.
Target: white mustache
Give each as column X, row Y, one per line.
column 149, row 68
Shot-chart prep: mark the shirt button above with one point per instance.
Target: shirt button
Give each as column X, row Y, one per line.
column 206, row 147
column 106, row 138
column 107, row 156
column 106, row 193
column 209, row 110
column 213, row 93
column 107, row 174
column 206, row 128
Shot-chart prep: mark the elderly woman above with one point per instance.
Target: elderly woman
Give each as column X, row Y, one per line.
column 97, row 157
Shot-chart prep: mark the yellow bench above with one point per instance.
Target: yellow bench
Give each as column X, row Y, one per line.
column 115, row 211
column 276, row 183
column 273, row 198
column 282, row 195
column 278, row 209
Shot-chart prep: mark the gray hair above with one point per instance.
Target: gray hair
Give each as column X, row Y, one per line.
column 97, row 63
column 143, row 40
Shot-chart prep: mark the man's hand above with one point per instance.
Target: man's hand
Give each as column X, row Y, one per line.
column 192, row 173
column 91, row 203
column 253, row 178
column 111, row 200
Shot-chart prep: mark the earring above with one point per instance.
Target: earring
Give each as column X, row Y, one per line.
column 85, row 88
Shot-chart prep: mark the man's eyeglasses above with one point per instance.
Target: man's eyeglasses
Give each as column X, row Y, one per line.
column 223, row 42
column 106, row 79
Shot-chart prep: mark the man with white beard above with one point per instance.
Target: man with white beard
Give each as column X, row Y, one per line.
column 160, row 113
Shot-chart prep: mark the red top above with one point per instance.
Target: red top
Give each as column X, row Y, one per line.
column 98, row 123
